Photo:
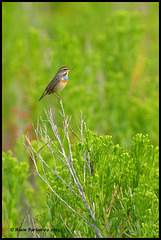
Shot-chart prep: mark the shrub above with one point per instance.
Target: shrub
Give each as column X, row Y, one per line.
column 96, row 188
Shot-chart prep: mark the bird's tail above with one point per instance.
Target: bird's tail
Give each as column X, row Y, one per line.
column 44, row 93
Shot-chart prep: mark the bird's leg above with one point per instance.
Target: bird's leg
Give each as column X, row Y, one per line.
column 58, row 97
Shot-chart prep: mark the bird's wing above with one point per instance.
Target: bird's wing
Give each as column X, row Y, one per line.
column 52, row 84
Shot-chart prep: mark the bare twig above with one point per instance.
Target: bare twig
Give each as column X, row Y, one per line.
column 68, row 227
column 65, row 159
column 22, row 222
column 75, row 133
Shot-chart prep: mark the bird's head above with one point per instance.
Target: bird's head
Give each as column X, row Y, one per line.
column 64, row 70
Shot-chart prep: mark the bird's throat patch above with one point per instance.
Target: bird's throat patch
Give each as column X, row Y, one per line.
column 64, row 81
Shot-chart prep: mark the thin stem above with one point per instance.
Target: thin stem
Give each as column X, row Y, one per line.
column 66, row 158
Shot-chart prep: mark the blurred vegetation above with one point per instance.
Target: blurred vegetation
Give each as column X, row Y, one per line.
column 114, row 51
column 13, row 187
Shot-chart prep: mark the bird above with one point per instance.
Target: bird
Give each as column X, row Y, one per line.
column 57, row 83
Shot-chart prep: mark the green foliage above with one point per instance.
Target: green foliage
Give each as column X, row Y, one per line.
column 123, row 185
column 14, row 175
column 114, row 54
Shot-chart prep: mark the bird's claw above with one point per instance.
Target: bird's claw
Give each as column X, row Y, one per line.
column 59, row 99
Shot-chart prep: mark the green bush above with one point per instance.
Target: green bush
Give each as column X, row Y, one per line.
column 14, row 192
column 122, row 184
column 95, row 187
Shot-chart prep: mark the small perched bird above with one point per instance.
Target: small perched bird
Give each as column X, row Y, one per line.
column 58, row 82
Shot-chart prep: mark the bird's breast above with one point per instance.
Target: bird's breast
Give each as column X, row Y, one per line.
column 60, row 85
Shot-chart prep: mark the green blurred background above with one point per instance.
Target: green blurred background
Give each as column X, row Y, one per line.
column 113, row 49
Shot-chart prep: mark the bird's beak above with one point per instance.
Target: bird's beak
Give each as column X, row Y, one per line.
column 70, row 68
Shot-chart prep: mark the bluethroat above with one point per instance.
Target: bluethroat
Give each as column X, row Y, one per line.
column 58, row 82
